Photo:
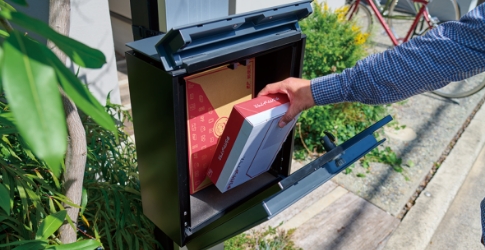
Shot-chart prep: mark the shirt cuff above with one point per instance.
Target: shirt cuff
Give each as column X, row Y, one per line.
column 326, row 89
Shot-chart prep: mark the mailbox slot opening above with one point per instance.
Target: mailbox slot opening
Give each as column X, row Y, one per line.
column 209, row 204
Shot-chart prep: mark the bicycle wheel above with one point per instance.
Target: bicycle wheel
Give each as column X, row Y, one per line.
column 400, row 17
column 402, row 13
column 444, row 10
column 469, row 86
column 362, row 17
column 463, row 88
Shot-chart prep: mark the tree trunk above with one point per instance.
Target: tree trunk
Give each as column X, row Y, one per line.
column 59, row 19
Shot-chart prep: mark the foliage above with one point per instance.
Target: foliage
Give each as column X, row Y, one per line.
column 114, row 212
column 270, row 239
column 33, row 144
column 385, row 156
column 334, row 44
column 343, row 120
column 31, row 76
column 48, row 226
column 31, row 195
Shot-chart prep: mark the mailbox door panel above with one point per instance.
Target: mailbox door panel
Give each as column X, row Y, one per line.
column 282, row 195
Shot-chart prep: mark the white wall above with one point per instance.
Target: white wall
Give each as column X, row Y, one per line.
column 173, row 13
column 121, row 24
column 90, row 24
column 242, row 6
column 121, row 7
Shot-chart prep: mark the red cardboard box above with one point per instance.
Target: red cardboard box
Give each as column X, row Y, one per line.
column 250, row 142
column 210, row 96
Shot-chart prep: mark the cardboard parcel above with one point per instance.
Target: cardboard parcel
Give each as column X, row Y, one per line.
column 210, row 96
column 250, row 142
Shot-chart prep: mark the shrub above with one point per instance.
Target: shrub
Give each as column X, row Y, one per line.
column 334, row 44
column 111, row 210
column 270, row 239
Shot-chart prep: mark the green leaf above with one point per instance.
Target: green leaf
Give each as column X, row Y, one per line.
column 20, row 2
column 6, row 6
column 50, row 224
column 17, row 243
column 1, row 63
column 24, row 199
column 7, row 131
column 31, row 88
column 78, row 52
column 36, row 245
column 4, row 199
column 78, row 93
column 108, row 234
column 52, row 208
column 84, row 200
column 80, row 245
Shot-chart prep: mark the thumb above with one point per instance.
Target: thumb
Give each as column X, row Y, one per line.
column 272, row 89
column 288, row 116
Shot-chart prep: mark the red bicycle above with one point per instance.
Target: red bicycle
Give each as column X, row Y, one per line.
column 421, row 20
column 407, row 19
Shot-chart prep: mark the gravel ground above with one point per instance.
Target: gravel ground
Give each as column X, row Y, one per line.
column 435, row 122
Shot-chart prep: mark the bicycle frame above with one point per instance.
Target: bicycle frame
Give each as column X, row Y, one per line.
column 422, row 12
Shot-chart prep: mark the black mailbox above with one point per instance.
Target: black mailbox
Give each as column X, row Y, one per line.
column 157, row 69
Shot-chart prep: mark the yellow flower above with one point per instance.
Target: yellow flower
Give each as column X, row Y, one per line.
column 355, row 28
column 360, row 38
column 341, row 13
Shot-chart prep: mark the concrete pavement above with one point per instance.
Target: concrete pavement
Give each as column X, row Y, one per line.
column 460, row 228
column 453, row 192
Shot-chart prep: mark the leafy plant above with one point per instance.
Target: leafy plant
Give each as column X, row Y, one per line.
column 344, row 120
column 334, row 44
column 113, row 212
column 44, row 236
column 31, row 76
column 31, row 195
column 269, row 239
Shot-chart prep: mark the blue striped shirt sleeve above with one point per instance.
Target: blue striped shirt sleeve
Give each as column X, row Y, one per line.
column 453, row 51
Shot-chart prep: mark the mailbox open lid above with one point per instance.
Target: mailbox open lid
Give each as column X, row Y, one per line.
column 160, row 69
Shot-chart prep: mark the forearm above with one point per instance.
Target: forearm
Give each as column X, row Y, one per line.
column 451, row 52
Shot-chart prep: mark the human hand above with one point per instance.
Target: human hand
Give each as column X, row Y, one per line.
column 299, row 93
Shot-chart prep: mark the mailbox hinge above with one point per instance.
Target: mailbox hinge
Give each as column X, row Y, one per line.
column 188, row 231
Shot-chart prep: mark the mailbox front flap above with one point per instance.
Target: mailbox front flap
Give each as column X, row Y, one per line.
column 182, row 46
column 293, row 188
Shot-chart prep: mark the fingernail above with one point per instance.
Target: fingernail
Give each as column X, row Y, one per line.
column 282, row 124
